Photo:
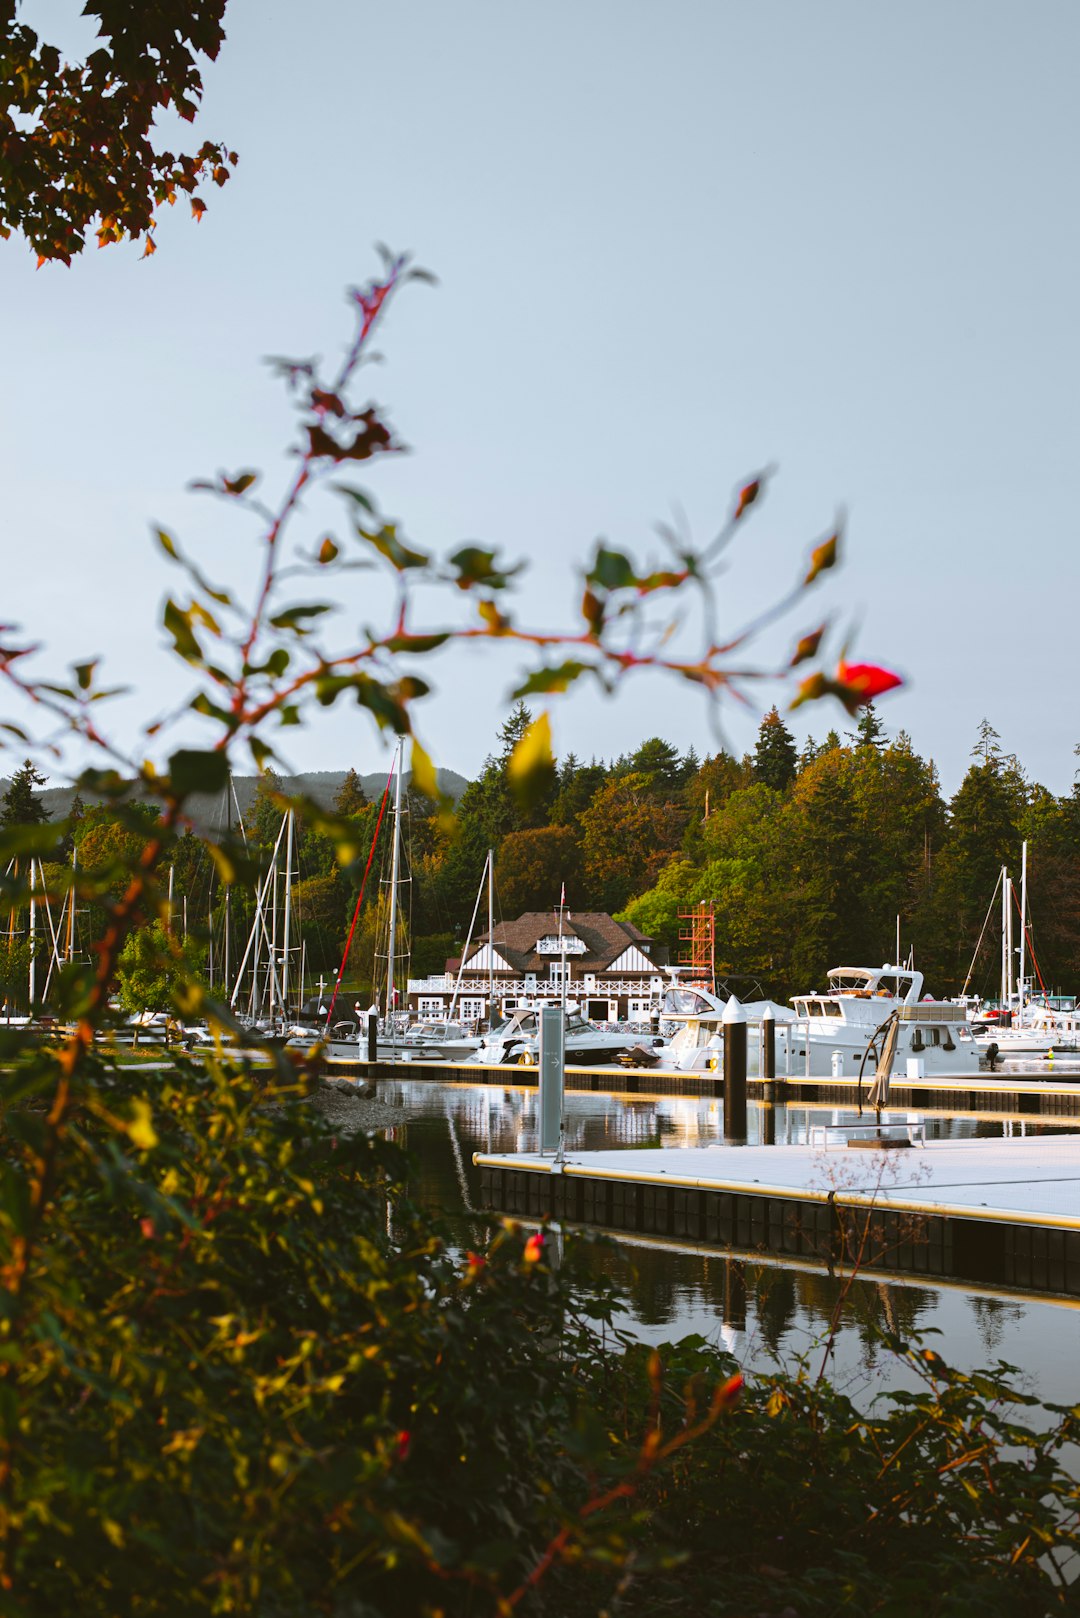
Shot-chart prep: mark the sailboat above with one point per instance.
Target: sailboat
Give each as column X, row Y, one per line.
column 426, row 1039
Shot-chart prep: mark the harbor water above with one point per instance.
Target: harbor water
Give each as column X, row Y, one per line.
column 763, row 1309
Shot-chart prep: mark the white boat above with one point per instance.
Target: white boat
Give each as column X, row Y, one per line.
column 429, row 1040
column 832, row 1031
column 518, row 1038
column 829, row 1033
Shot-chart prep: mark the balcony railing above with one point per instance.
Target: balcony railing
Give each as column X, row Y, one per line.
column 543, row 988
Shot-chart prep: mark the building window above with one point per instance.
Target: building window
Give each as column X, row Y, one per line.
column 472, row 1010
column 429, row 1007
column 559, row 970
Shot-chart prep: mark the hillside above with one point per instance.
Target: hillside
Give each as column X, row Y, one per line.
column 206, row 812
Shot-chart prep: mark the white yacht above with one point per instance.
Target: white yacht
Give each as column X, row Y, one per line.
column 518, row 1039
column 429, row 1040
column 828, row 1033
column 1038, row 1031
column 832, row 1030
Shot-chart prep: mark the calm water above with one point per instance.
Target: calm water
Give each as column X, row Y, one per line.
column 760, row 1310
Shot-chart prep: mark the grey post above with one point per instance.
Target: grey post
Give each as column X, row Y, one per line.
column 552, row 1076
column 734, row 1073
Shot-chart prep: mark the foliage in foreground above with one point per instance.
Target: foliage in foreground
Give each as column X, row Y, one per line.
column 246, row 1375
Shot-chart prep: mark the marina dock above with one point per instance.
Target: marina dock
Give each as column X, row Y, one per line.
column 1003, row 1212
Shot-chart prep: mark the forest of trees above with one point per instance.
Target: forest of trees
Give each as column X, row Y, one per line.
column 808, row 857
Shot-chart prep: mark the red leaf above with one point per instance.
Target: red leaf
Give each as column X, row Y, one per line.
column 866, row 679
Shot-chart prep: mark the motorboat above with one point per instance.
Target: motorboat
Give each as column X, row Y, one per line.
column 829, row 1033
column 692, row 1022
column 518, row 1040
column 833, row 1031
column 428, row 1040
column 1039, row 1030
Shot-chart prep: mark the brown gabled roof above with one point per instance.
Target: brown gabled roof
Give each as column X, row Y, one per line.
column 604, row 939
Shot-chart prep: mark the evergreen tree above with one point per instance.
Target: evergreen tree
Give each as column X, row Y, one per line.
column 351, row 799
column 657, row 762
column 775, row 755
column 869, row 732
column 19, row 806
column 987, row 747
column 577, row 786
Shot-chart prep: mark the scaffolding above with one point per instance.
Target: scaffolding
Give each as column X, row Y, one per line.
column 698, row 930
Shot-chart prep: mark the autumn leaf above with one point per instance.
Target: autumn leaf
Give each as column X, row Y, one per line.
column 531, row 767
column 822, row 557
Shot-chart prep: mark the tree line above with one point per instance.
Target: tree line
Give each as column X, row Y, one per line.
column 806, row 856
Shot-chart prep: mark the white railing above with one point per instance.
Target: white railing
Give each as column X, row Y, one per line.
column 543, row 988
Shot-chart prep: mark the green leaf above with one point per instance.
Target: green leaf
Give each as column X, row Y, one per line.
column 178, row 624
column 293, row 617
column 386, row 542
column 558, row 678
column 474, row 566
column 611, row 570
column 198, row 771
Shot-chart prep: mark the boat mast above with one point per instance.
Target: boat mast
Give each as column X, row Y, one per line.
column 288, row 918
column 71, row 907
column 1004, row 937
column 33, row 941
column 395, row 867
column 491, row 938
column 228, row 886
column 485, row 876
column 1011, row 959
column 1023, row 928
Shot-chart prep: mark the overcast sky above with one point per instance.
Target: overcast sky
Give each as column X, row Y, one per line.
column 675, row 243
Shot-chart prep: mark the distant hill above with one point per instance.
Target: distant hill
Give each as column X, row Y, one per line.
column 207, row 812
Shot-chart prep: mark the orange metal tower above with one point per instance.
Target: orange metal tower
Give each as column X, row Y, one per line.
column 699, row 931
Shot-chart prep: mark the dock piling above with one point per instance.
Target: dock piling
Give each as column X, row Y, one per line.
column 734, row 1073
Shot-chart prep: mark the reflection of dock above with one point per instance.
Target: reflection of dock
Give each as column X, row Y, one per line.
column 990, row 1211
column 1010, row 1094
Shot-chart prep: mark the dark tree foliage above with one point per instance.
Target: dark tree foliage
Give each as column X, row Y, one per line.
column 19, row 806
column 775, row 756
column 351, row 799
column 870, row 732
column 76, row 138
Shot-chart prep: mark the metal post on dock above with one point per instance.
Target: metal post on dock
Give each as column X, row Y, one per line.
column 734, row 1073
column 552, row 1072
column 768, row 1074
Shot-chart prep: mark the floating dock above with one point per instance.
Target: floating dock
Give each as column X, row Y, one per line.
column 1003, row 1212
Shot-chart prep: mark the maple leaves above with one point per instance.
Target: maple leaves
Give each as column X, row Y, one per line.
column 76, row 149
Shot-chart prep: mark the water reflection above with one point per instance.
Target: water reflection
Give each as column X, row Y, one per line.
column 759, row 1308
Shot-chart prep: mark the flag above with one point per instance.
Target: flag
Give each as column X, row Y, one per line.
column 562, row 897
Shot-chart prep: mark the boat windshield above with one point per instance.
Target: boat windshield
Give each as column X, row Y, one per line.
column 685, row 1003
column 848, row 982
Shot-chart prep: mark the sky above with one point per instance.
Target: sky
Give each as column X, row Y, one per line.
column 674, row 244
